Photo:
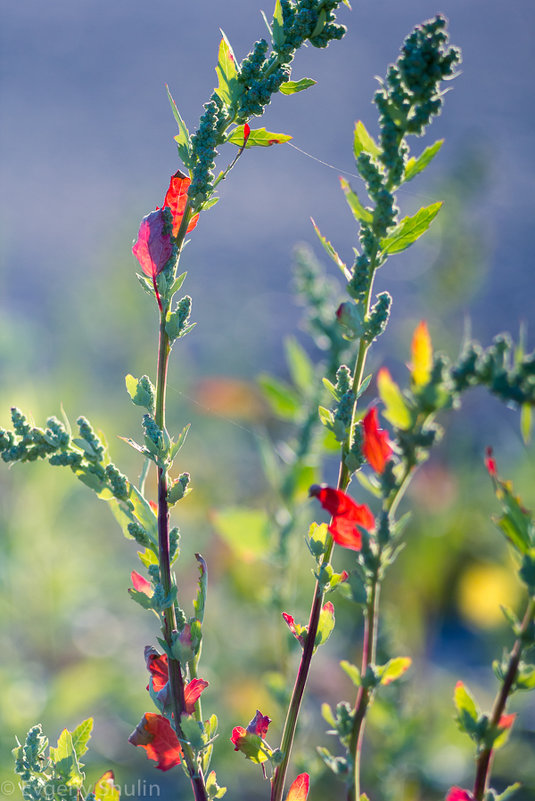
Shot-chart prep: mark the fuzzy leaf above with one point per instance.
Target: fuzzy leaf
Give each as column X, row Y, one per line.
column 291, row 87
column 410, row 229
column 258, row 137
column 415, row 166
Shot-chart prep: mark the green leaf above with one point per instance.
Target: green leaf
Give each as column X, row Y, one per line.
column 81, row 736
column 327, row 714
column 527, row 571
column 192, row 731
column 526, row 422
column 301, row 368
column 362, row 141
column 66, row 766
column 509, row 792
column 180, row 440
column 284, row 401
column 183, row 138
column 228, row 87
column 136, row 510
column 177, row 283
column 325, row 625
column 394, row 668
column 246, row 531
column 106, row 789
column 278, row 26
column 360, row 212
column 212, row 788
column 516, row 522
column 326, row 416
column 258, row 137
column 291, row 87
column 332, row 252
column 200, row 601
column 141, row 598
column 467, row 711
column 352, row 671
column 369, row 484
column 396, row 410
column 410, row 229
column 139, row 394
column 320, row 24
column 414, row 166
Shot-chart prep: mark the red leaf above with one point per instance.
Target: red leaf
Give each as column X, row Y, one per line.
column 290, row 622
column 192, row 692
column 299, row 789
column 238, row 734
column 456, row 794
column 506, row 721
column 246, row 133
column 155, row 734
column 259, row 724
column 346, row 514
column 490, row 463
column 158, row 668
column 141, row 584
column 176, row 199
column 153, row 248
column 376, row 446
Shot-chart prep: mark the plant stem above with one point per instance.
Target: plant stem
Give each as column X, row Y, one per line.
column 176, row 680
column 484, row 759
column 290, row 724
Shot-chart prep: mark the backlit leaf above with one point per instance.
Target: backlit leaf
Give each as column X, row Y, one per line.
column 422, row 355
column 278, row 25
column 228, row 87
column 410, row 229
column 301, row 368
column 394, row 669
column 183, row 138
column 291, row 87
column 81, row 736
column 416, row 165
column 360, row 212
column 258, row 137
column 325, row 624
column 283, row 400
column 362, row 141
column 331, row 251
column 396, row 410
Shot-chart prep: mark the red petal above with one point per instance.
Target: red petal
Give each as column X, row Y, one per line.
column 176, row 199
column 346, row 514
column 299, row 789
column 376, row 447
column 192, row 692
column 246, row 133
column 506, row 721
column 155, row 734
column 141, row 584
column 153, row 248
column 259, row 724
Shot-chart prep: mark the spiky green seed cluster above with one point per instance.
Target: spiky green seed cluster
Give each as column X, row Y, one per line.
column 378, row 317
column 152, row 431
column 308, row 20
column 510, row 378
column 204, row 143
column 87, row 433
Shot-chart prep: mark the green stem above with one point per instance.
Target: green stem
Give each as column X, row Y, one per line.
column 484, row 759
column 176, row 680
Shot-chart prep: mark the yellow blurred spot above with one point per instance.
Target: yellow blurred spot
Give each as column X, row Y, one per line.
column 482, row 590
column 422, row 355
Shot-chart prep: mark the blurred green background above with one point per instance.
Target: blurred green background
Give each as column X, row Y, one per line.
column 85, row 151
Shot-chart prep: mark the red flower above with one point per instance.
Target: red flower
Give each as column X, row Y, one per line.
column 155, row 734
column 250, row 741
column 153, row 248
column 299, row 789
column 490, row 463
column 376, row 447
column 176, row 199
column 158, row 668
column 456, row 794
column 346, row 514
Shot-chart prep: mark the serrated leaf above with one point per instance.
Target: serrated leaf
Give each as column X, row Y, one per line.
column 81, row 736
column 410, row 229
column 141, row 598
column 352, row 671
column 291, row 87
column 331, row 252
column 394, row 668
column 359, row 211
column 301, row 368
column 284, row 401
column 246, row 531
column 258, row 137
column 228, row 87
column 183, row 138
column 416, row 165
column 66, row 766
column 212, row 788
column 396, row 411
column 362, row 141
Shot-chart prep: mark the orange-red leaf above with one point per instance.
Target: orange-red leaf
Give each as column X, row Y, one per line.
column 422, row 354
column 153, row 248
column 376, row 446
column 299, row 789
column 141, row 584
column 155, row 734
column 176, row 199
column 158, row 668
column 192, row 692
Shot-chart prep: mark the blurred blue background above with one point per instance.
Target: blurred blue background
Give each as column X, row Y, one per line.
column 86, row 149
